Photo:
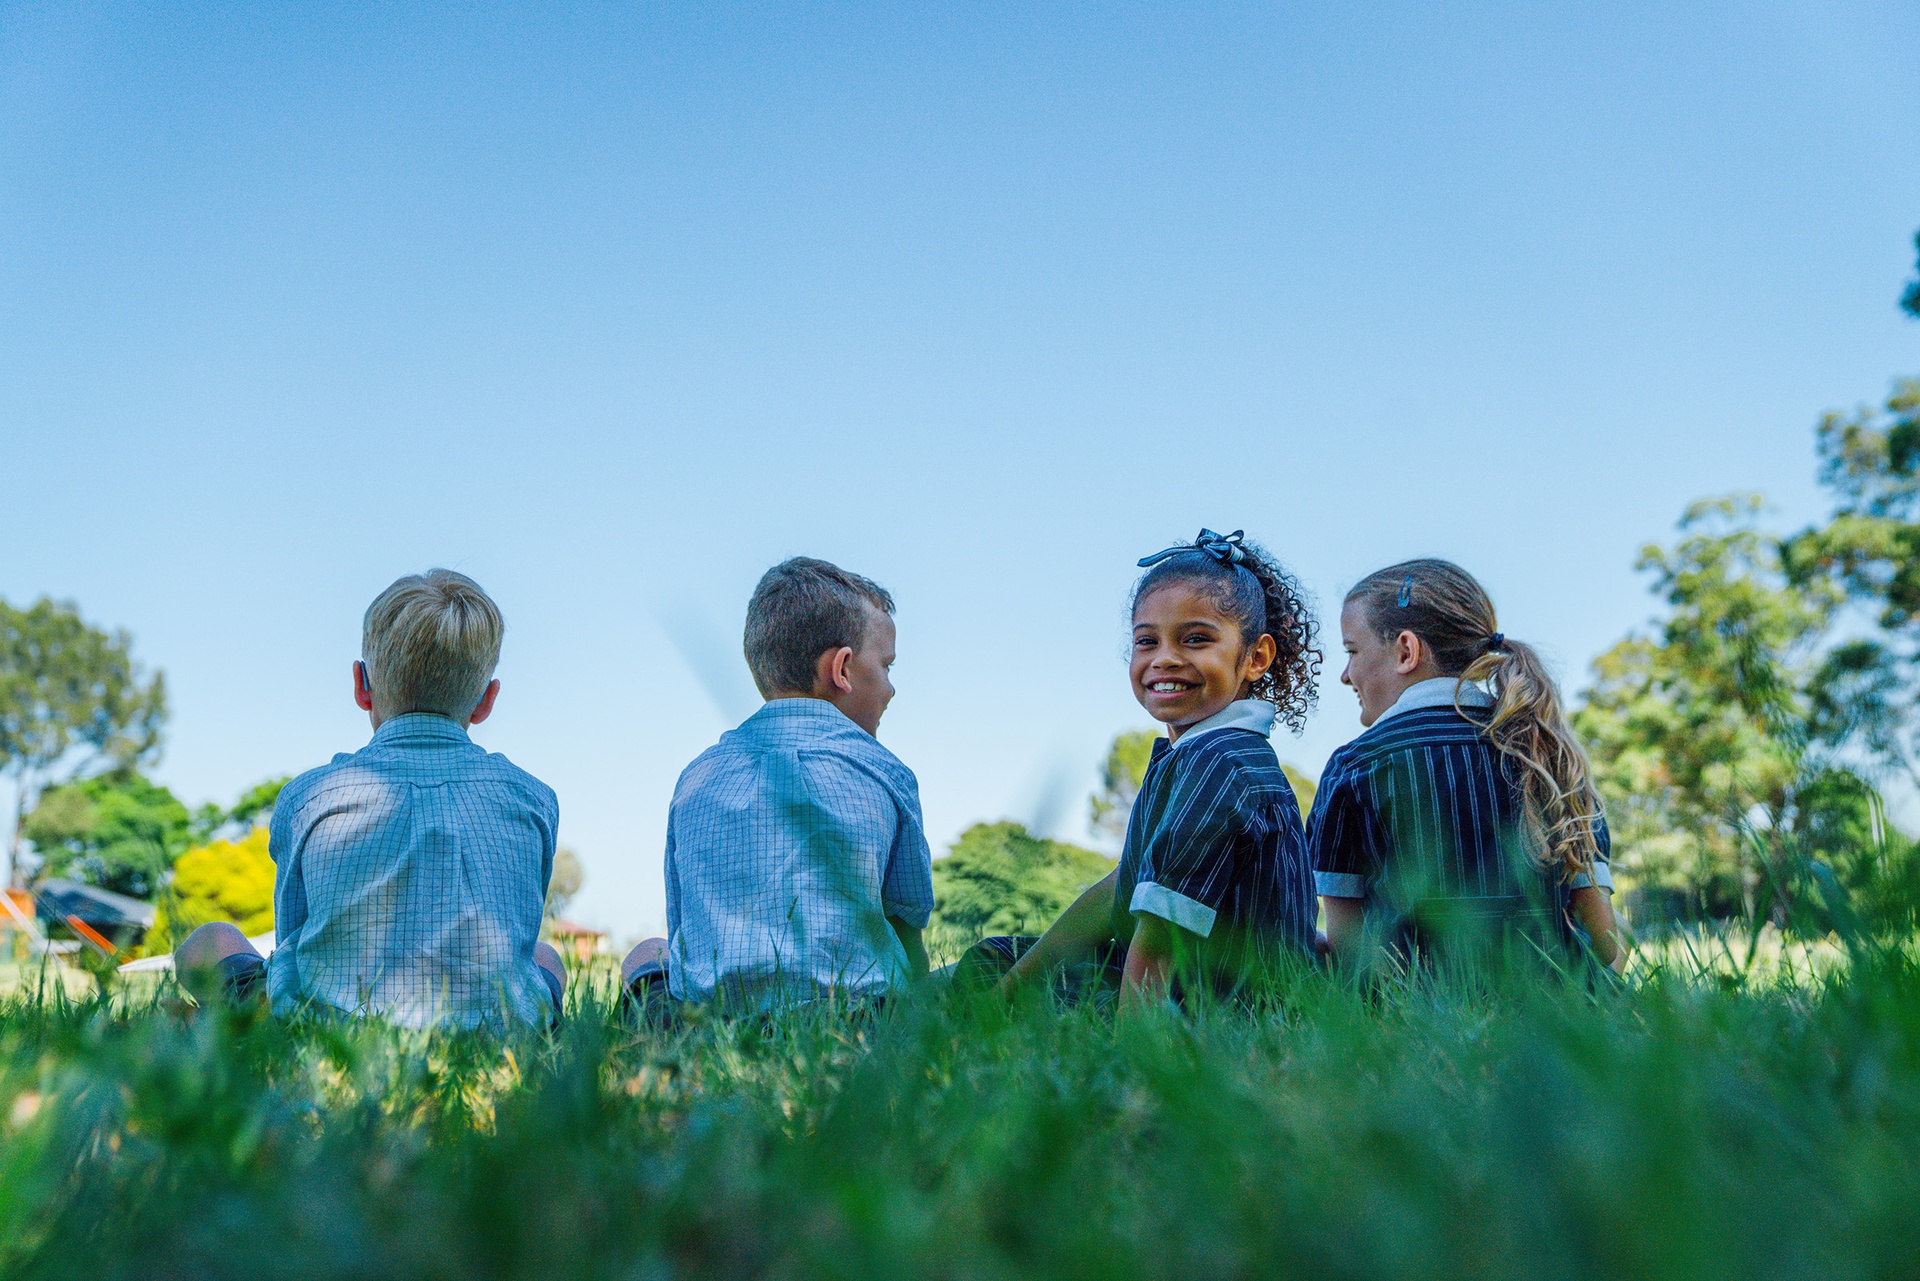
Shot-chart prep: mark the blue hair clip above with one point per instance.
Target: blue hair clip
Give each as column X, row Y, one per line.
column 1224, row 548
column 1406, row 592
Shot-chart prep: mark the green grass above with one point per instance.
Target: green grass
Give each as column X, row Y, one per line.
column 1687, row 1128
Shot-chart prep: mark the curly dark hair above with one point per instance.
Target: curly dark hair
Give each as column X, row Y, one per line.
column 1266, row 600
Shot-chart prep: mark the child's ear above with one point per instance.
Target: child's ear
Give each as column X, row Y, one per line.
column 1406, row 652
column 830, row 674
column 1260, row 656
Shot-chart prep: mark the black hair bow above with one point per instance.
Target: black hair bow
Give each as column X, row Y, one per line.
column 1224, row 548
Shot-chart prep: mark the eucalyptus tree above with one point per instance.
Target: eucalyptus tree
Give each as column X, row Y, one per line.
column 72, row 702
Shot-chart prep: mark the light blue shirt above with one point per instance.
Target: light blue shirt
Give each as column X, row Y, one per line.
column 789, row 843
column 409, row 881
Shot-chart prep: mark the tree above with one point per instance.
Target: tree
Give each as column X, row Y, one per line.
column 1120, row 777
column 1729, row 745
column 71, row 700
column 568, row 876
column 120, row 832
column 1001, row 879
column 1870, row 549
column 253, row 809
column 216, row 881
column 1693, row 731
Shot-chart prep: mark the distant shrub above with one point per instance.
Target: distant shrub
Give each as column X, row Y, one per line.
column 1002, row 879
column 218, row 881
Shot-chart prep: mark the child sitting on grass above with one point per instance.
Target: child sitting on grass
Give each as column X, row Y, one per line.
column 797, row 867
column 410, row 875
column 1467, row 808
column 1213, row 879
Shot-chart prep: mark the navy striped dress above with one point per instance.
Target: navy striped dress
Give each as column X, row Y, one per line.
column 1215, row 845
column 1420, row 817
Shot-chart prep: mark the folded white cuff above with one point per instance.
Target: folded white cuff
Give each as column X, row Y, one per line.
column 1602, row 877
column 1157, row 900
column 1340, row 884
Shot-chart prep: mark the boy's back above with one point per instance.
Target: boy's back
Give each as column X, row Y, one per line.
column 410, row 880
column 789, row 844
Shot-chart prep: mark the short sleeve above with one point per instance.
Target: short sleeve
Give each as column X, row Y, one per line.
column 906, row 891
column 1187, row 864
column 1602, row 861
column 1337, row 837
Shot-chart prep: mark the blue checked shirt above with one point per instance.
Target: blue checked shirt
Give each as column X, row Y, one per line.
column 409, row 881
column 789, row 843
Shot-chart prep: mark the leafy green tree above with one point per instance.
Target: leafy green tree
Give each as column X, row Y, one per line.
column 71, row 701
column 120, row 832
column 1699, row 732
column 1120, row 777
column 1001, row 879
column 252, row 810
column 1730, row 744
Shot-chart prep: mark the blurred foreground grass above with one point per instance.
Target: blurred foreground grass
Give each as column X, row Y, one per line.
column 1692, row 1126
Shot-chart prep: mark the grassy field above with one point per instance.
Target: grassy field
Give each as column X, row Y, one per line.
column 1689, row 1127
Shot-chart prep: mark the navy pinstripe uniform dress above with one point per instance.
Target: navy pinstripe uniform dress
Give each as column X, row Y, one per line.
column 1420, row 817
column 1214, row 845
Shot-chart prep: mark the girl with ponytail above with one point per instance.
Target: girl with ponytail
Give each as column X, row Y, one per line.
column 1214, row 876
column 1467, row 806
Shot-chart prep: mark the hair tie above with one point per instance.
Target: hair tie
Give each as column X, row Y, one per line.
column 1497, row 643
column 1224, row 548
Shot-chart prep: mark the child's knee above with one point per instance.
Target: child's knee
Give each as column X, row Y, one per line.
column 217, row 961
column 648, row 955
column 208, row 944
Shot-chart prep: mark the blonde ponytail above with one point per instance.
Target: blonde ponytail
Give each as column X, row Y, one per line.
column 1446, row 608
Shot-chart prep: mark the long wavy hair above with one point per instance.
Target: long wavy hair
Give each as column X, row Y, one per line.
column 1452, row 614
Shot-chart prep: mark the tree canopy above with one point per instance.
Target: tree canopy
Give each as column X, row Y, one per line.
column 121, row 832
column 72, row 700
column 1001, row 879
column 1120, row 776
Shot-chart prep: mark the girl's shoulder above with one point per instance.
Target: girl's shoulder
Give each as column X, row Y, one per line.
column 1227, row 758
column 1405, row 731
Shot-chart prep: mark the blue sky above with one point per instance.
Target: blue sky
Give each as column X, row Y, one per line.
column 613, row 306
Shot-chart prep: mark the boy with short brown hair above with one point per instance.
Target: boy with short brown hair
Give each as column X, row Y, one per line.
column 797, row 863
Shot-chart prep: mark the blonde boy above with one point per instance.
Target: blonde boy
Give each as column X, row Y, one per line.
column 410, row 875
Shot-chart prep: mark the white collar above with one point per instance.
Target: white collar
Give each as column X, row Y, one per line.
column 1441, row 691
column 1255, row 714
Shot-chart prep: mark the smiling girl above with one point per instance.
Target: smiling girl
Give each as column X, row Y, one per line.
column 1467, row 806
column 1214, row 874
